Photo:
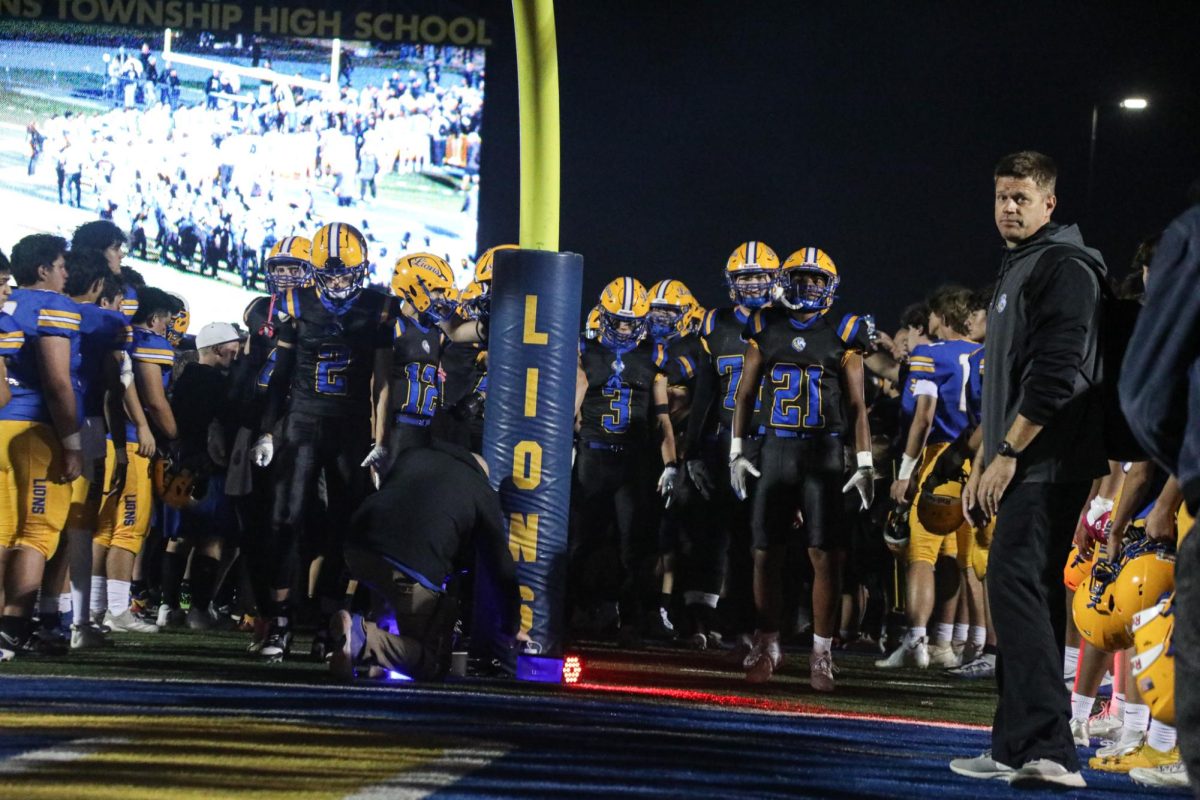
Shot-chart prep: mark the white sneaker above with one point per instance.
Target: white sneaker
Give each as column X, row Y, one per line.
column 1079, row 732
column 981, row 766
column 1044, row 772
column 88, row 636
column 820, row 672
column 169, row 617
column 943, row 656
column 906, row 655
column 126, row 622
column 970, row 652
column 1164, row 776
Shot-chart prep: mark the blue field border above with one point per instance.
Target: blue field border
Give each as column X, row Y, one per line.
column 567, row 743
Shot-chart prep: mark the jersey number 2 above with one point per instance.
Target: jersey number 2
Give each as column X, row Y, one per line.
column 797, row 390
column 422, row 389
column 332, row 361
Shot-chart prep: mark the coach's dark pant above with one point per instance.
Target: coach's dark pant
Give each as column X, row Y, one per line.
column 1025, row 588
column 1186, row 645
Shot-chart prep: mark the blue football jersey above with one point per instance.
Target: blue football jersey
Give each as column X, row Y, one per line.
column 975, row 389
column 101, row 331
column 945, row 368
column 37, row 313
column 150, row 348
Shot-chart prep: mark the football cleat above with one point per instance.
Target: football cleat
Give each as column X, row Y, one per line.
column 820, row 672
column 426, row 283
column 978, row 669
column 763, row 660
column 943, row 656
column 915, row 654
column 670, row 304
column 1164, row 776
column 1105, row 724
column 128, row 622
column 808, row 280
column 86, row 636
column 624, row 305
column 289, row 264
column 340, row 261
column 169, row 617
column 277, row 644
column 1080, row 733
column 750, row 274
column 1143, row 755
column 1112, row 749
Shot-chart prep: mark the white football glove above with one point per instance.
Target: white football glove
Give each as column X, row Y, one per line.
column 263, row 451
column 738, row 467
column 666, row 483
column 375, row 461
column 863, row 479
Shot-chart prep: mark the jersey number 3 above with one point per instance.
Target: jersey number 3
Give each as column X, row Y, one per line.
column 618, row 403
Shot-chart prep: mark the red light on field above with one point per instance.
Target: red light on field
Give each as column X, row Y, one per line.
column 572, row 669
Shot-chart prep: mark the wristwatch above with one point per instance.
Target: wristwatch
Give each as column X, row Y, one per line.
column 1007, row 450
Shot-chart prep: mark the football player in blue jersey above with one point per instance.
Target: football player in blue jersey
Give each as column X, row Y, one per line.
column 104, row 236
column 40, row 447
column 939, row 380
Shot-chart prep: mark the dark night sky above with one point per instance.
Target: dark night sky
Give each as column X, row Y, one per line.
column 869, row 130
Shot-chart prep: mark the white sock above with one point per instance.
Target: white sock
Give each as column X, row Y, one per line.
column 118, row 596
column 79, row 551
column 1116, row 706
column 1081, row 706
column 822, row 645
column 48, row 603
column 944, row 632
column 1161, row 737
column 64, row 604
column 978, row 635
column 914, row 635
column 961, row 630
column 1070, row 661
column 1137, row 719
column 99, row 601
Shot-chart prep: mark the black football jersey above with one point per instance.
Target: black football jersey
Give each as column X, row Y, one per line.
column 617, row 405
column 251, row 372
column 463, row 368
column 802, row 369
column 721, row 336
column 416, row 367
column 335, row 352
column 685, row 358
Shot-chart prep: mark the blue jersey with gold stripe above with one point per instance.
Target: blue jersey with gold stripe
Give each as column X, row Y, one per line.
column 975, row 388
column 11, row 335
column 101, row 331
column 37, row 313
column 943, row 369
column 150, row 348
column 129, row 305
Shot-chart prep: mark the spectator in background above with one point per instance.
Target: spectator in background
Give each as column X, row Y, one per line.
column 368, row 169
column 37, row 142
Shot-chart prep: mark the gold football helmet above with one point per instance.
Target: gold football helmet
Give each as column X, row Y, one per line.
column 1095, row 611
column 939, row 508
column 176, row 485
column 1154, row 665
column 694, row 319
column 624, row 305
column 426, row 283
column 1144, row 579
column 181, row 318
column 340, row 260
column 808, row 280
column 473, row 301
column 750, row 274
column 1078, row 568
column 483, row 267
column 591, row 327
column 289, row 264
column 670, row 303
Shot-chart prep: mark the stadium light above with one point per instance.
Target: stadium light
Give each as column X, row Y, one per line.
column 1128, row 104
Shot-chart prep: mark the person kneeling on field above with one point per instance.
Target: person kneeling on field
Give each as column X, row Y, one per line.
column 412, row 561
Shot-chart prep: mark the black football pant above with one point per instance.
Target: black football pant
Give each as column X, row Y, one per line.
column 1025, row 588
column 804, row 473
column 611, row 487
column 312, row 444
column 1186, row 645
column 722, row 531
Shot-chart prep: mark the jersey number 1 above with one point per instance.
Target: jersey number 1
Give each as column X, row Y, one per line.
column 797, row 390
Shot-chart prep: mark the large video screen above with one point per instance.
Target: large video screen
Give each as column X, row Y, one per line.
column 208, row 148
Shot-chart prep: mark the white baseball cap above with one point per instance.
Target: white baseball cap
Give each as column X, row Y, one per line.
column 215, row 333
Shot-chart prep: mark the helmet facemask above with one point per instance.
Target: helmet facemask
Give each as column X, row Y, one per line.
column 339, row 282
column 611, row 335
column 806, row 289
column 750, row 287
column 285, row 274
column 663, row 321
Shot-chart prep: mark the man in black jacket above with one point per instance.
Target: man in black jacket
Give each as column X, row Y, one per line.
column 1041, row 449
column 1160, row 395
column 412, row 560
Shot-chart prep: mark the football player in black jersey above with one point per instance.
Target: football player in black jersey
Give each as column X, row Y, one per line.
column 812, row 398
column 288, row 266
column 621, row 402
column 425, row 285
column 464, row 367
column 333, row 345
column 749, row 276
